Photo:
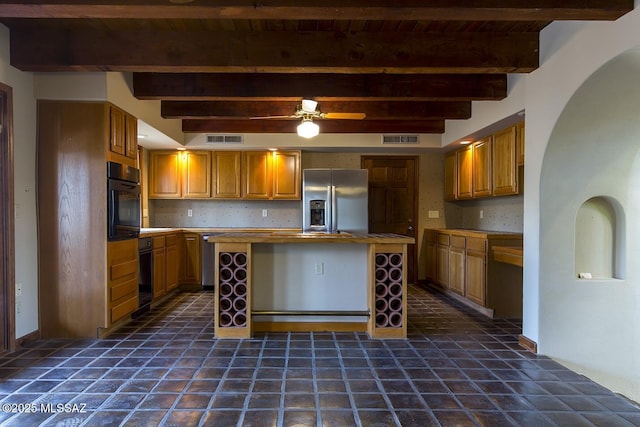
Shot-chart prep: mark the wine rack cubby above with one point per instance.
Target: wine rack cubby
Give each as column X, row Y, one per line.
column 233, row 313
column 388, row 317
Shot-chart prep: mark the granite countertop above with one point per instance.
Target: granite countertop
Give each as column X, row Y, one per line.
column 283, row 236
column 478, row 233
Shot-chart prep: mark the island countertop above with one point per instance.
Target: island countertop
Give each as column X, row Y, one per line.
column 301, row 237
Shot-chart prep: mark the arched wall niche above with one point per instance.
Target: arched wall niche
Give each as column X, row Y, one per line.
column 599, row 237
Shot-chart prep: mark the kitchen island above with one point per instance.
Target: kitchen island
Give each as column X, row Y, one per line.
column 294, row 281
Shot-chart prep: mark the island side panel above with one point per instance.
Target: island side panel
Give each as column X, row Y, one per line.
column 310, row 276
column 233, row 293
column 388, row 291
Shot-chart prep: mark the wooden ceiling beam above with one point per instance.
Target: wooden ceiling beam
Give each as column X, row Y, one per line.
column 326, row 126
column 390, row 110
column 459, row 10
column 80, row 46
column 320, row 87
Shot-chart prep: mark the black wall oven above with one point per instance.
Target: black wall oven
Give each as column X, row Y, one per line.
column 123, row 201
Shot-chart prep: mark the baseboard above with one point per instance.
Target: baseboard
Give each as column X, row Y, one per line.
column 310, row 326
column 24, row 340
column 527, row 343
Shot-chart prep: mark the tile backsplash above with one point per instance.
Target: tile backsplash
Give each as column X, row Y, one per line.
column 498, row 214
column 226, row 213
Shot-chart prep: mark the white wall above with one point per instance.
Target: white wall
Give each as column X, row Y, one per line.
column 570, row 54
column 26, row 249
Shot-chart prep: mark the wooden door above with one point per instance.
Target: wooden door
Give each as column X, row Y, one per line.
column 464, row 164
column 7, row 252
column 257, row 174
column 164, row 175
column 393, row 199
column 197, row 175
column 226, row 175
column 504, row 169
column 286, row 175
column 482, row 168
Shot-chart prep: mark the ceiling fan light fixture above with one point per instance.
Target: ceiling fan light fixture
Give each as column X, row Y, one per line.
column 308, row 129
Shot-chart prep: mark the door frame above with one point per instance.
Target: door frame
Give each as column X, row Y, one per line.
column 7, row 241
column 416, row 205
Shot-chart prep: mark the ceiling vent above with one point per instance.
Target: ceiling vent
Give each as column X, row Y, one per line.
column 400, row 139
column 225, row 139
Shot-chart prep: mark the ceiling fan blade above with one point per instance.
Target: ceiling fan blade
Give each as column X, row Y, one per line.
column 272, row 117
column 345, row 116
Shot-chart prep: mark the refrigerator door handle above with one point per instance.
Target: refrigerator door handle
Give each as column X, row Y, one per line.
column 334, row 210
column 329, row 212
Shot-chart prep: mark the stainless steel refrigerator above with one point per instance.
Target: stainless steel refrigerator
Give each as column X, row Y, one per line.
column 335, row 200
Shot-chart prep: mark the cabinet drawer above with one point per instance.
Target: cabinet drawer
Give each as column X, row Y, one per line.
column 171, row 240
column 457, row 242
column 430, row 236
column 123, row 289
column 443, row 239
column 158, row 242
column 476, row 244
column 122, row 269
column 124, row 309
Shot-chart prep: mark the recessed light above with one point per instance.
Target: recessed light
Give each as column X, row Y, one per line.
column 465, row 142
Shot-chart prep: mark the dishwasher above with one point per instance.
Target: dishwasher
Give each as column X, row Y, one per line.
column 208, row 262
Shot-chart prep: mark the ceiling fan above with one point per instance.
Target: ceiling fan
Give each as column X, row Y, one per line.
column 307, row 111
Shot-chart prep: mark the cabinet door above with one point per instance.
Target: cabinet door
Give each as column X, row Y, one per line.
column 450, row 179
column 117, row 131
column 442, row 266
column 164, row 175
column 159, row 267
column 482, row 168
column 131, row 136
column 190, row 260
column 504, row 162
column 476, row 277
column 456, row 270
column 520, row 143
column 431, row 261
column 172, row 260
column 257, row 175
column 197, row 175
column 226, row 175
column 464, row 158
column 286, row 175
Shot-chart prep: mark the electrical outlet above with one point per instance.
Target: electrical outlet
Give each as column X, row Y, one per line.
column 319, row 268
column 18, row 289
column 189, row 212
column 481, row 214
column 434, row 214
column 264, row 213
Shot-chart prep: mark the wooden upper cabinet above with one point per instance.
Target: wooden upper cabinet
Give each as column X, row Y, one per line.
column 520, row 143
column 286, row 175
column 164, row 175
column 226, row 175
column 482, row 168
column 504, row 162
column 117, row 131
column 197, row 175
column 464, row 163
column 256, row 174
column 123, row 133
column 450, row 176
column 131, row 136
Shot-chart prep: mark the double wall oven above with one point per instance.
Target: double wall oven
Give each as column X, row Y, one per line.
column 123, row 202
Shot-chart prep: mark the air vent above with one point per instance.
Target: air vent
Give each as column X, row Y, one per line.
column 400, row 139
column 225, row 139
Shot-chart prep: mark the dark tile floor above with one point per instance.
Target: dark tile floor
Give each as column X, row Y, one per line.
column 166, row 368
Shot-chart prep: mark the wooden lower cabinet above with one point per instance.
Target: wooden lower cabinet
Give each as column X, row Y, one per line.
column 122, row 279
column 430, row 255
column 159, row 267
column 464, row 266
column 190, row 259
column 172, row 259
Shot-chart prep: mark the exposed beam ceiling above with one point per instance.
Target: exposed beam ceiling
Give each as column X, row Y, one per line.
column 409, row 65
